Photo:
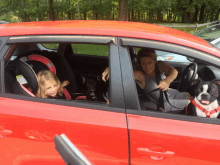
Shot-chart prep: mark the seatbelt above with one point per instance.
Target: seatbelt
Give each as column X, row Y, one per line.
column 161, row 98
column 158, row 79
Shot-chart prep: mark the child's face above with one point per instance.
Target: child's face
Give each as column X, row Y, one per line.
column 51, row 88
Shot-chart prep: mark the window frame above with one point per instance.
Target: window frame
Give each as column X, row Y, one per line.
column 115, row 83
column 185, row 51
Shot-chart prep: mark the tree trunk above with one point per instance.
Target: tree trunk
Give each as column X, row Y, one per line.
column 123, row 10
column 85, row 15
column 138, row 13
column 195, row 17
column 95, row 14
column 183, row 18
column 217, row 15
column 132, row 15
column 52, row 13
column 202, row 12
column 187, row 18
column 212, row 15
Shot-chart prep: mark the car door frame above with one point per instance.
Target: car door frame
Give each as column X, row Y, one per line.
column 115, row 83
column 137, row 117
column 127, row 75
column 116, row 89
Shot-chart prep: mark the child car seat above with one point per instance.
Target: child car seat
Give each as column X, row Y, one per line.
column 26, row 72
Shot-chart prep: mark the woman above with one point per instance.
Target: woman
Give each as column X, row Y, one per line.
column 146, row 78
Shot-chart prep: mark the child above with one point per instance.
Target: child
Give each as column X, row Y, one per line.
column 49, row 86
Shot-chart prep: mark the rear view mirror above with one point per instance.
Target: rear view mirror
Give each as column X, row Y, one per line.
column 70, row 154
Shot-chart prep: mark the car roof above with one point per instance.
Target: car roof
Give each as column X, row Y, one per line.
column 107, row 28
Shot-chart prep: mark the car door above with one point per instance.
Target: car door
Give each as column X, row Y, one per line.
column 166, row 138
column 28, row 125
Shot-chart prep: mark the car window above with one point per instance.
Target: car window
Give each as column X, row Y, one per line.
column 90, row 49
column 82, row 71
column 149, row 94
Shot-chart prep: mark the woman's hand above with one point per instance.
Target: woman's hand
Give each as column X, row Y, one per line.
column 105, row 74
column 164, row 85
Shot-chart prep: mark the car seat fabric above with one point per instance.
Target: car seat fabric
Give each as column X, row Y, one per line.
column 22, row 68
column 44, row 60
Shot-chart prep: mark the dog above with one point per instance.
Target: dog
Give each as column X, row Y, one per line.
column 206, row 99
column 94, row 89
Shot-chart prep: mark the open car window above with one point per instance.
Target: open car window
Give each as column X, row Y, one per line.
column 82, row 67
column 177, row 96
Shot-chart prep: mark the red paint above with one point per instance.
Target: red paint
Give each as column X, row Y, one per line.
column 100, row 135
column 172, row 141
column 108, row 28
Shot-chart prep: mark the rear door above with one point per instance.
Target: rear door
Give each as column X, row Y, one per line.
column 28, row 125
column 166, row 138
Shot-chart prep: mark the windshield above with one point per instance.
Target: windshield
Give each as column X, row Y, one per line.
column 209, row 34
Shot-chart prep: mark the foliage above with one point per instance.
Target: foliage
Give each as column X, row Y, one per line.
column 138, row 10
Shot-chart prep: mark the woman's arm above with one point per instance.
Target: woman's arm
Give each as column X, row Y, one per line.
column 139, row 78
column 170, row 72
column 138, row 75
column 105, row 74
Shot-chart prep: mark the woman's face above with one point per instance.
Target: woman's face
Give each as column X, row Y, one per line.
column 148, row 65
column 51, row 88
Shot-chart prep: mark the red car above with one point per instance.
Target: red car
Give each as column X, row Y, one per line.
column 121, row 132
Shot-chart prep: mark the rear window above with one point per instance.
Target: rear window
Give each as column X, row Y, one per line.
column 90, row 49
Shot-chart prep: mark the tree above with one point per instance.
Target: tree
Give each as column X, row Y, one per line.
column 123, row 10
column 52, row 13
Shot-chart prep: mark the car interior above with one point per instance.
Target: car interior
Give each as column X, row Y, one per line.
column 83, row 69
column 188, row 72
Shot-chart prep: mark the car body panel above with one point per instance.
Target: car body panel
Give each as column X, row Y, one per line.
column 107, row 28
column 121, row 133
column 27, row 132
column 167, row 141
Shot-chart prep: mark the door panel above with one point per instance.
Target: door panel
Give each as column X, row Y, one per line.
column 27, row 130
column 166, row 141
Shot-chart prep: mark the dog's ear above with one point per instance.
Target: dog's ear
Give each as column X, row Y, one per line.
column 217, row 82
column 196, row 82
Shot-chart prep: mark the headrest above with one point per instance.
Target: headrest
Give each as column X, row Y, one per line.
column 44, row 60
column 28, row 73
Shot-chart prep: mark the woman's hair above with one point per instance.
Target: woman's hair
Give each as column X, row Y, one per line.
column 47, row 75
column 145, row 52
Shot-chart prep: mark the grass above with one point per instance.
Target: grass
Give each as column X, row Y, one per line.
column 88, row 49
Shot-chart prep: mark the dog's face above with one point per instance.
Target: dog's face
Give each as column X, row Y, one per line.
column 207, row 92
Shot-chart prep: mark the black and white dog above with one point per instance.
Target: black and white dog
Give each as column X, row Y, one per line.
column 206, row 99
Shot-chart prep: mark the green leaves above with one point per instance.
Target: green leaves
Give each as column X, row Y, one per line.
column 138, row 10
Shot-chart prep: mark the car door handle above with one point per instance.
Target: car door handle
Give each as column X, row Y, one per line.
column 158, row 153
column 5, row 132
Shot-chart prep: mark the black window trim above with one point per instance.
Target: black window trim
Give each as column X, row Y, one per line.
column 3, row 40
column 61, row 39
column 116, row 92
column 164, row 47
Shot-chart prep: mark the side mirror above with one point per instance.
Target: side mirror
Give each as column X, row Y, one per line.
column 68, row 151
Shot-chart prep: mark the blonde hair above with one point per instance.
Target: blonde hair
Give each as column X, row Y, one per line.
column 47, row 75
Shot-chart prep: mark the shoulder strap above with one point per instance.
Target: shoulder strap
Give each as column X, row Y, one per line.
column 158, row 79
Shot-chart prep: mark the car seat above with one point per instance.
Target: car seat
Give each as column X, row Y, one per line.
column 26, row 74
column 63, row 70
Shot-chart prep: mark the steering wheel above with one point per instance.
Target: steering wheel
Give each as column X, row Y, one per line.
column 187, row 77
